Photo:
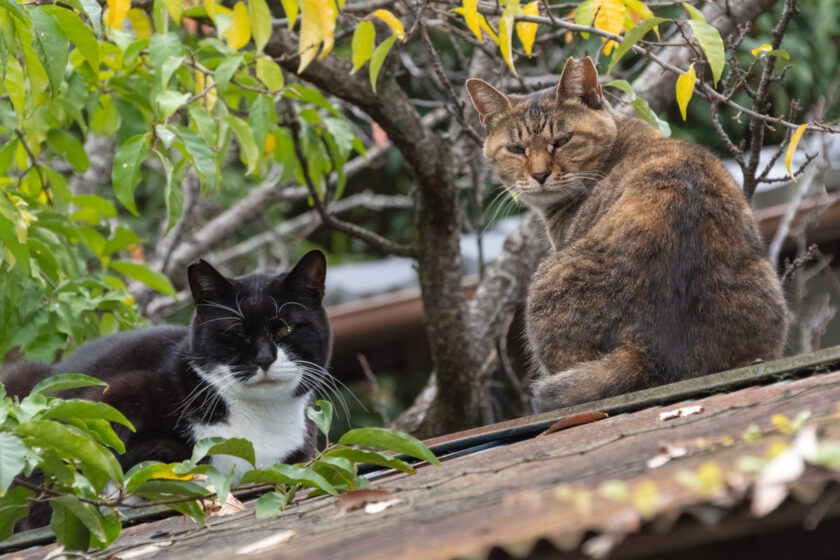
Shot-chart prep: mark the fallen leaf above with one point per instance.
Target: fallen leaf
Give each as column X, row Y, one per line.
column 356, row 499
column 380, row 137
column 666, row 453
column 680, row 412
column 377, row 507
column 600, row 546
column 575, row 420
column 267, row 543
column 772, row 482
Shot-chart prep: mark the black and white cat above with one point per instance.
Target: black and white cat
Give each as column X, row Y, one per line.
column 247, row 366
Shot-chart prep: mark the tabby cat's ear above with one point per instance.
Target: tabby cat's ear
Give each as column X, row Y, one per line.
column 579, row 80
column 488, row 101
column 206, row 284
column 309, row 274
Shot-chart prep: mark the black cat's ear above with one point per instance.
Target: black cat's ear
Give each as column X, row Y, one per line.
column 206, row 284
column 309, row 274
column 579, row 80
column 488, row 101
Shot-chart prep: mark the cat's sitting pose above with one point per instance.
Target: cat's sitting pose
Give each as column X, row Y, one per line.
column 246, row 367
column 658, row 272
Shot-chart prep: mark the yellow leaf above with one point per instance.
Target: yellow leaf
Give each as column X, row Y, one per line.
column 117, row 11
column 506, row 33
column 609, row 16
column 260, row 17
column 528, row 31
column 175, row 7
column 210, row 6
column 291, row 7
column 781, row 421
column 685, row 88
column 763, row 48
column 270, row 144
column 646, row 498
column 328, row 13
column 482, row 24
column 140, row 22
column 201, row 82
column 470, row 12
column 393, row 22
column 172, row 476
column 310, row 33
column 239, row 33
column 794, row 141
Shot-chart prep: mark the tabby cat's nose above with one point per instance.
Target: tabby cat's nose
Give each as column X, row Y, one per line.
column 541, row 176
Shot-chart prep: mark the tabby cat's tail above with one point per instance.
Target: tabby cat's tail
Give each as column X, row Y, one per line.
column 623, row 370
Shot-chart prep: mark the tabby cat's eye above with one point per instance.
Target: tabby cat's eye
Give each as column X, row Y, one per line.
column 516, row 149
column 284, row 331
column 562, row 141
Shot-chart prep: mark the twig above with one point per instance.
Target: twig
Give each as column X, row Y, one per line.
column 376, row 391
column 373, row 239
column 791, row 267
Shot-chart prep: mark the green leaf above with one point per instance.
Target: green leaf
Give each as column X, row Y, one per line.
column 143, row 273
column 102, row 432
column 363, row 41
column 624, row 86
column 125, row 174
column 15, row 85
column 378, row 58
column 12, row 460
column 630, row 39
column 269, row 73
column 391, row 440
column 260, row 118
column 69, row 530
column 238, row 447
column 172, row 489
column 712, row 45
column 51, row 45
column 64, row 381
column 94, row 13
column 111, row 526
column 260, row 18
column 13, row 506
column 78, row 408
column 370, row 458
column 225, row 71
column 247, row 145
column 169, row 101
column 694, row 12
column 12, row 7
column 163, row 46
column 337, row 470
column 220, row 481
column 71, row 442
column 69, row 147
column 269, row 504
column 585, row 15
column 644, row 112
column 321, row 417
column 78, row 32
column 289, row 474
column 200, row 155
column 86, row 513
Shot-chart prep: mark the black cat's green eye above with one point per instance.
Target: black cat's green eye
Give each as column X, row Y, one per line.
column 284, row 331
column 516, row 149
column 563, row 140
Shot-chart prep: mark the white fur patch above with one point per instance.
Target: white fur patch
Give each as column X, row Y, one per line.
column 263, row 410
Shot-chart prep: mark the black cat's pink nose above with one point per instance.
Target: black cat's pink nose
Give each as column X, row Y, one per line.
column 541, row 176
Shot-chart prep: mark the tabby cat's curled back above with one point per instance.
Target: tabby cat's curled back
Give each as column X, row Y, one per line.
column 658, row 271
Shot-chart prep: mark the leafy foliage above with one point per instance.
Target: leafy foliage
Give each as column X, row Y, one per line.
column 72, row 443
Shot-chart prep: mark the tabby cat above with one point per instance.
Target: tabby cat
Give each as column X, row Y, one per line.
column 658, row 271
column 247, row 366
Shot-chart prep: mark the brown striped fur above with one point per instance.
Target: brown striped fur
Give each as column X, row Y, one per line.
column 659, row 273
